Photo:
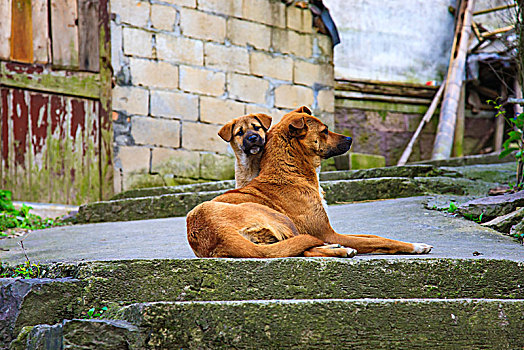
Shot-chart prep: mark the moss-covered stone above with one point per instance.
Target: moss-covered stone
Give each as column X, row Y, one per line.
column 318, row 324
column 158, row 191
column 366, row 161
column 340, row 186
column 163, row 206
column 368, row 189
column 33, row 301
column 502, row 173
column 491, row 158
column 458, row 186
column 504, row 223
column 217, row 166
column 491, row 207
column 125, row 282
column 517, row 229
column 297, row 278
column 410, row 171
column 83, row 334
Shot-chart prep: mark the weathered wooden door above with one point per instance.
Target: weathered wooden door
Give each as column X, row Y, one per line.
column 55, row 88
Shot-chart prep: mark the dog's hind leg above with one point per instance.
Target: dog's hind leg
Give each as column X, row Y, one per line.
column 377, row 245
column 331, row 250
column 240, row 247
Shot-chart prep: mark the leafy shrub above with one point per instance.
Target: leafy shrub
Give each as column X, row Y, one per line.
column 12, row 218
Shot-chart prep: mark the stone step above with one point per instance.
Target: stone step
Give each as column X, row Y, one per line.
column 499, row 173
column 338, row 191
column 303, row 324
column 396, row 171
column 75, row 288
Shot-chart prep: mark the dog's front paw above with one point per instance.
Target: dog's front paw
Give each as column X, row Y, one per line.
column 421, row 248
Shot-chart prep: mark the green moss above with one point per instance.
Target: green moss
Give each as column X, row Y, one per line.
column 381, row 106
column 366, row 161
column 80, row 84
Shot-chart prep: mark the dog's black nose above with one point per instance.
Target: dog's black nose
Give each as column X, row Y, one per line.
column 349, row 140
column 252, row 138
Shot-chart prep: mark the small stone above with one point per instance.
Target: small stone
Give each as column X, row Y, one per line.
column 491, row 207
column 518, row 231
column 505, row 222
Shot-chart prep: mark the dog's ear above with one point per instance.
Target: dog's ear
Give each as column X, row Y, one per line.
column 226, row 133
column 303, row 109
column 298, row 127
column 264, row 119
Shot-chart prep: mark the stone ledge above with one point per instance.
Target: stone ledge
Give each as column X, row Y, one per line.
column 78, row 286
column 340, row 191
column 491, row 158
column 163, row 206
column 356, row 324
column 340, row 186
column 158, row 191
column 410, row 171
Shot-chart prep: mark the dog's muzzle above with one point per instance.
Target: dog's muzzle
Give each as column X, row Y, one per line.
column 342, row 147
column 252, row 143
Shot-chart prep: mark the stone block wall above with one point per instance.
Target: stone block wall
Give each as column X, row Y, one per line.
column 387, row 132
column 183, row 68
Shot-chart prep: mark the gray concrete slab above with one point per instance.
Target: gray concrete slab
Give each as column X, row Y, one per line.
column 405, row 219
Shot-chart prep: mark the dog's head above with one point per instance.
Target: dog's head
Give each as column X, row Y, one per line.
column 308, row 134
column 247, row 133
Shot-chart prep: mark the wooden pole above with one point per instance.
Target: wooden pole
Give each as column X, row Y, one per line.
column 426, row 118
column 448, row 112
column 498, row 8
column 458, row 140
column 499, row 134
column 499, row 124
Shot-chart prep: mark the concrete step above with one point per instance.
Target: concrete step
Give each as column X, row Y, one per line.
column 300, row 324
column 500, row 173
column 75, row 288
column 340, row 186
column 337, row 191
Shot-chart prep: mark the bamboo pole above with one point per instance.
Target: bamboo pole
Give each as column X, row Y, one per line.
column 498, row 31
column 498, row 8
column 448, row 112
column 426, row 118
column 458, row 140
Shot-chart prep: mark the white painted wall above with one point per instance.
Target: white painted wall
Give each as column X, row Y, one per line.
column 392, row 40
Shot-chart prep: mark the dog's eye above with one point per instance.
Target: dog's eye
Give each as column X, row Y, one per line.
column 256, row 127
column 240, row 132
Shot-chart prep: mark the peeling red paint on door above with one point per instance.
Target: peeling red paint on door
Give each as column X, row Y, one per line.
column 20, row 118
column 39, row 109
column 4, row 131
column 57, row 112
column 50, row 146
column 77, row 116
column 56, row 135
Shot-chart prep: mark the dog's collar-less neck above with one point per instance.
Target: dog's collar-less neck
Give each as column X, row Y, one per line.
column 288, row 156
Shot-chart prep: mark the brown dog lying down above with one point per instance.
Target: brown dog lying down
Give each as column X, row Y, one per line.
column 280, row 213
column 247, row 137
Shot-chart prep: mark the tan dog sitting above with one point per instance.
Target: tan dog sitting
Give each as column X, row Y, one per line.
column 247, row 137
column 280, row 212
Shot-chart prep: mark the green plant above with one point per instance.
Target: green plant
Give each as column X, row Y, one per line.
column 25, row 270
column 11, row 218
column 473, row 217
column 515, row 140
column 92, row 313
column 452, row 207
column 518, row 236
